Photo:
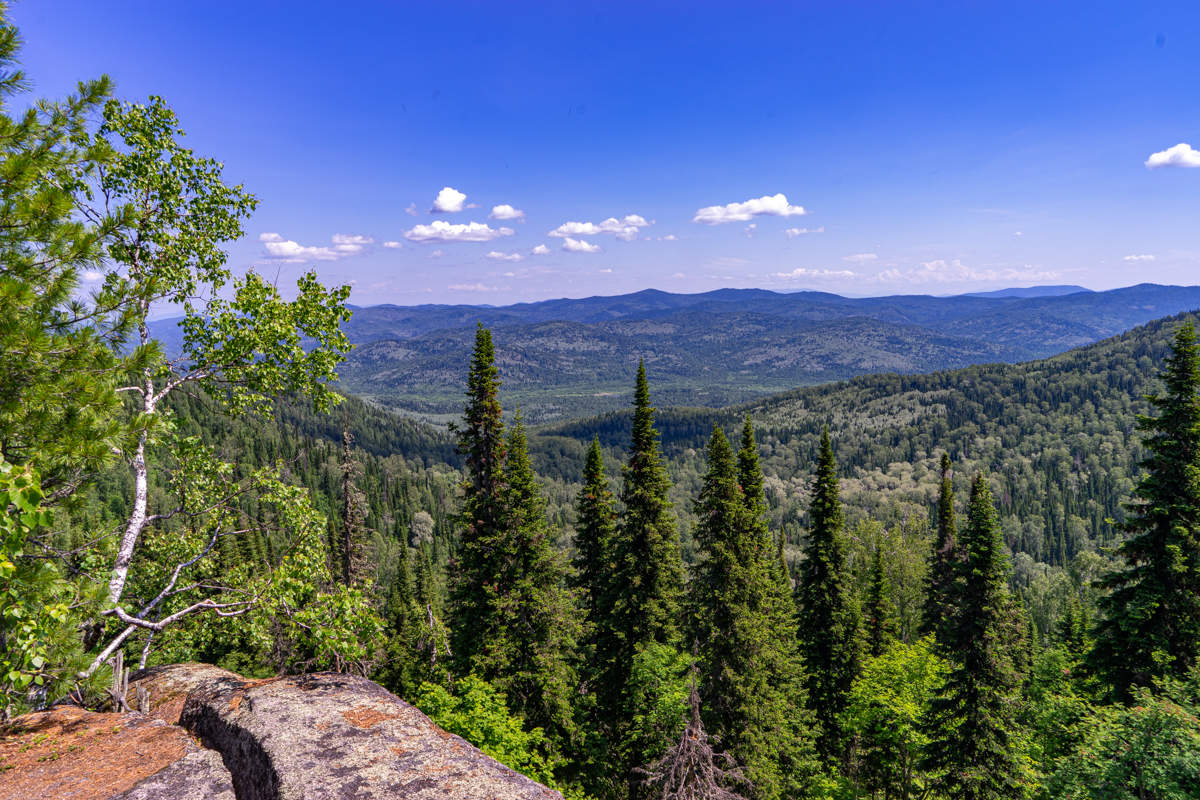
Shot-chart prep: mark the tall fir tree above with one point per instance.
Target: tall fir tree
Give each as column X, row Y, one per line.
column 974, row 750
column 878, row 612
column 349, row 551
column 485, row 516
column 533, row 656
column 747, row 652
column 829, row 620
column 648, row 580
column 1151, row 619
column 940, row 590
column 595, row 529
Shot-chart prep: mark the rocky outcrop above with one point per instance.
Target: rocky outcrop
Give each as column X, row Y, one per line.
column 68, row 752
column 214, row 734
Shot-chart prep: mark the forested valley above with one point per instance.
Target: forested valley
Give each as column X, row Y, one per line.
column 976, row 583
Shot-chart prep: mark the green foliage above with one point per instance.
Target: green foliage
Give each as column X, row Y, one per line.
column 37, row 642
column 477, row 712
column 887, row 704
column 827, row 608
column 1151, row 623
column 1148, row 749
column 943, row 564
column 657, row 698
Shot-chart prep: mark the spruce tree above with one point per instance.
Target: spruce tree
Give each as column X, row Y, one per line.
column 972, row 725
column 531, row 660
column 828, row 616
column 878, row 612
column 1151, row 619
column 485, row 516
column 647, row 584
column 350, row 555
column 594, row 531
column 749, row 665
column 940, row 589
column 646, row 549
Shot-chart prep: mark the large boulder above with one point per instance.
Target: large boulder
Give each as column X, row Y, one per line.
column 68, row 752
column 328, row 736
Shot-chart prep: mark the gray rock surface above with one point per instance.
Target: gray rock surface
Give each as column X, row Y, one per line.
column 328, row 737
column 200, row 775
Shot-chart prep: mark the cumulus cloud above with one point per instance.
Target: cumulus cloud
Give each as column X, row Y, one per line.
column 625, row 228
column 1141, row 257
column 579, row 246
column 442, row 231
column 792, row 233
column 860, row 258
column 1181, row 155
column 775, row 205
column 749, row 230
column 496, row 255
column 412, row 210
column 448, row 201
column 541, row 250
column 803, row 272
column 670, row 237
column 393, row 245
column 350, row 244
column 505, row 211
column 290, row 252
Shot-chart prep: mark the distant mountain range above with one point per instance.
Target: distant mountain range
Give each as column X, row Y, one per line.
column 566, row 358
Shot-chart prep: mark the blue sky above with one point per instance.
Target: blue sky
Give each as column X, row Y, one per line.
column 918, row 147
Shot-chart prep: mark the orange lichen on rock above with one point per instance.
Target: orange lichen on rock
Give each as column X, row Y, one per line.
column 70, row 752
column 366, row 716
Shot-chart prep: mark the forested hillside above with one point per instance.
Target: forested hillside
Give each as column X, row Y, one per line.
column 562, row 359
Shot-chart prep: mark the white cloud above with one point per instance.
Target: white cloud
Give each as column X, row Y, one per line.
column 92, row 275
column 411, row 210
column 679, row 275
column 606, row 271
column 393, row 245
column 1141, row 257
column 792, row 233
column 1018, row 233
column 942, row 271
column 860, row 258
column 288, row 251
column 773, row 205
column 496, row 255
column 670, row 237
column 579, row 246
column 437, row 254
column 442, row 231
column 474, row 287
column 749, row 230
column 448, row 201
column 802, row 272
column 505, row 211
column 625, row 228
column 1181, row 155
column 541, row 250
column 350, row 244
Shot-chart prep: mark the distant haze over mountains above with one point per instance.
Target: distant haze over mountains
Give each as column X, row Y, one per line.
column 569, row 357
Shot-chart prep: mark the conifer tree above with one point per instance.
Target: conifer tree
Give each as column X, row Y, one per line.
column 1151, row 619
column 748, row 660
column 940, row 590
column 646, row 549
column 828, row 615
column 513, row 621
column 974, row 751
column 351, row 563
column 647, row 585
column 532, row 659
column 485, row 514
column 594, row 531
column 878, row 613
